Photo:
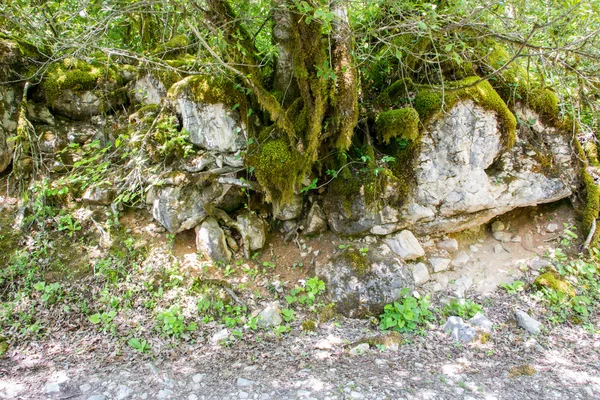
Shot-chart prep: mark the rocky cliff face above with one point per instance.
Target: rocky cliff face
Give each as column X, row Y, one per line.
column 465, row 176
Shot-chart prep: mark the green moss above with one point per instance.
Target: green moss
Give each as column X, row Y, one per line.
column 77, row 75
column 592, row 202
column 397, row 93
column 391, row 340
column 401, row 124
column 327, row 313
column 524, row 370
column 309, row 326
column 278, row 169
column 357, row 262
column 175, row 47
column 545, row 103
column 591, row 151
column 552, row 280
column 431, row 101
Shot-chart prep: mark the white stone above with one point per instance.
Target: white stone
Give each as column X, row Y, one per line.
column 450, row 245
column 420, row 273
column 460, row 260
column 270, row 316
column 211, row 241
column 551, row 228
column 359, row 349
column 219, row 336
column 439, row 264
column 526, row 322
column 406, row 245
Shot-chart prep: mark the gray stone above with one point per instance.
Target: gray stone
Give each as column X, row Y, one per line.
column 211, row 241
column 498, row 249
column 52, row 387
column 526, row 322
column 473, row 248
column 498, row 226
column 179, row 205
column 450, row 245
column 81, row 105
column 123, row 392
column 97, row 397
column 459, row 330
column 482, row 322
column 219, row 336
column 148, row 90
column 363, row 284
column 98, row 196
column 502, row 236
column 460, row 260
column 316, row 221
column 420, row 273
column 551, row 228
column 243, row 382
column 537, row 263
column 197, row 378
column 39, row 114
column 461, row 285
column 211, row 126
column 289, row 211
column 359, row 349
column 253, row 231
column 439, row 264
column 406, row 245
column 270, row 316
column 165, row 394
column 10, row 96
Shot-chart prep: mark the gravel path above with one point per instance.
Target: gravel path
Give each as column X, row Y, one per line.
column 564, row 364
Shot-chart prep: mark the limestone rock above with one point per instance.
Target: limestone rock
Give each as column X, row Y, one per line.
column 459, row 330
column 211, row 241
column 148, row 90
column 526, row 322
column 551, row 228
column 498, row 226
column 220, row 336
column 439, row 264
column 212, row 126
column 316, row 221
column 420, row 273
column 406, row 245
column 360, row 284
column 502, row 236
column 10, row 96
column 289, row 211
column 359, row 349
column 98, row 195
column 450, row 245
column 80, row 105
column 270, row 316
column 460, row 260
column 482, row 322
column 253, row 230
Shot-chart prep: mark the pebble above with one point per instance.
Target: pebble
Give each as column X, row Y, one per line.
column 52, row 387
column 86, row 387
column 197, row 378
column 192, row 397
column 460, row 260
column 123, row 392
column 244, row 382
column 551, row 228
column 165, row 394
column 360, row 349
column 97, row 397
column 474, row 249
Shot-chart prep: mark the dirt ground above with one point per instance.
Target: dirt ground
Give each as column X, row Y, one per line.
column 76, row 361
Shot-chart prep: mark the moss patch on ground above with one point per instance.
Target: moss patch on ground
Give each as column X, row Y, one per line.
column 552, row 280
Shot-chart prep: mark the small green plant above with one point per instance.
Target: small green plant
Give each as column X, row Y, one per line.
column 461, row 308
column 69, row 224
column 513, row 288
column 288, row 314
column 307, row 294
column 364, row 251
column 140, row 345
column 51, row 293
column 568, row 235
column 172, row 322
column 406, row 314
column 105, row 320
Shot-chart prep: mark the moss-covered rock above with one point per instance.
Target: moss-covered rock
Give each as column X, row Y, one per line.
column 552, row 280
column 79, row 90
column 279, row 169
column 400, row 124
column 431, row 101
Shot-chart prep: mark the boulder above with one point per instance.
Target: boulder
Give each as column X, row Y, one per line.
column 211, row 241
column 363, row 284
column 10, row 96
column 253, row 230
column 420, row 273
column 316, row 222
column 406, row 245
column 179, row 205
column 211, row 122
column 526, row 322
column 270, row 316
column 464, row 176
column 148, row 90
column 288, row 211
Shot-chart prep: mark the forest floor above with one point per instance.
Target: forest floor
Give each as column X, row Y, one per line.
column 64, row 343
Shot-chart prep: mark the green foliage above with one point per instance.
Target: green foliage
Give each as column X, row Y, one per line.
column 513, row 288
column 401, row 124
column 51, row 292
column 139, row 345
column 171, row 322
column 307, row 294
column 461, row 308
column 406, row 314
column 105, row 321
